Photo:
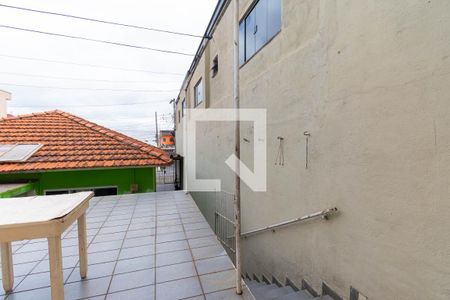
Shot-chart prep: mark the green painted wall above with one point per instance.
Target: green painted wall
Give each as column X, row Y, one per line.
column 122, row 178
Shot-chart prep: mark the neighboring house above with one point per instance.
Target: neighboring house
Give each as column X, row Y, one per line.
column 61, row 153
column 369, row 81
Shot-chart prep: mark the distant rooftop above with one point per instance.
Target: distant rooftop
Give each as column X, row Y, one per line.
column 70, row 142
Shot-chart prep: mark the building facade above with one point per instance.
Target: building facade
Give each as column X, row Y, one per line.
column 368, row 81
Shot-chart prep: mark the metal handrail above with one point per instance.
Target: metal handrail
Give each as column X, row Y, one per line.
column 324, row 214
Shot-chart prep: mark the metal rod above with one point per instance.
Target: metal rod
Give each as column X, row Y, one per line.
column 237, row 196
column 322, row 213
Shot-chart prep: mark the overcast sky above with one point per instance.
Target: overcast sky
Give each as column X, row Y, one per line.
column 131, row 112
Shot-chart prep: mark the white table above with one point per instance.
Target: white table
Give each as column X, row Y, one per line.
column 43, row 217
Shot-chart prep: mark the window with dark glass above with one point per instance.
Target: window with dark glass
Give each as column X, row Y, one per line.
column 261, row 23
column 183, row 107
column 215, row 66
column 198, row 93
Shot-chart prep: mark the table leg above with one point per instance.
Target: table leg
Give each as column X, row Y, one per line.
column 7, row 267
column 82, row 245
column 56, row 267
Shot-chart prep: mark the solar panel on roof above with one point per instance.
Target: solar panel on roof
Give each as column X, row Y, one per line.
column 17, row 152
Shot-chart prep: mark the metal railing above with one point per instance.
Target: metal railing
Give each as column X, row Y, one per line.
column 324, row 214
column 224, row 224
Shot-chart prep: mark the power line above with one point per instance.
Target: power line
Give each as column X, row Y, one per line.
column 83, row 79
column 88, row 105
column 102, row 21
column 96, row 40
column 89, row 65
column 90, row 89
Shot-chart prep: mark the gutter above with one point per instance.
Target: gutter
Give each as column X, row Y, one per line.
column 217, row 14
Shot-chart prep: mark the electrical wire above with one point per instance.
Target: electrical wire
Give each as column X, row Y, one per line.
column 96, row 40
column 102, row 21
column 83, row 79
column 90, row 89
column 89, row 65
column 89, row 105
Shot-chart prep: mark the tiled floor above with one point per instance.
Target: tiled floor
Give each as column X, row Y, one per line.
column 144, row 246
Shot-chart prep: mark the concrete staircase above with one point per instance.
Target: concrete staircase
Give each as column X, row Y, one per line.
column 269, row 291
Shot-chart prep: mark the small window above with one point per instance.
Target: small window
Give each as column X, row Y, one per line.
column 183, row 107
column 198, row 93
column 179, row 118
column 261, row 24
column 215, row 66
column 171, row 139
column 164, row 139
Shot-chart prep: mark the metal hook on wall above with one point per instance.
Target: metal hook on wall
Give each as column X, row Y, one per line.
column 280, row 156
column 307, row 135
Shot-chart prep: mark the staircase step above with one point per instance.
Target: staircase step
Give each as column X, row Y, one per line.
column 278, row 292
column 299, row 295
column 324, row 297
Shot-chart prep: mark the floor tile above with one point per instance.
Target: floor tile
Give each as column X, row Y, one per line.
column 208, row 252
column 39, row 280
column 175, row 257
column 172, row 246
column 94, row 271
column 132, row 280
column 135, row 264
column 139, row 241
column 203, row 242
column 178, row 289
column 143, row 293
column 174, row 272
column 215, row 264
column 137, row 251
column 44, row 293
column 170, row 237
column 218, row 281
column 86, row 288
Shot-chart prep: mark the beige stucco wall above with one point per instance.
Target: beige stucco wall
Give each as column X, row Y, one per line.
column 370, row 81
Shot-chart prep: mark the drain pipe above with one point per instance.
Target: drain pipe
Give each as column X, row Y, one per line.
column 237, row 151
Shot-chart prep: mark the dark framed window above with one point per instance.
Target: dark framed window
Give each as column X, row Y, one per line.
column 198, row 93
column 258, row 27
column 215, row 66
column 183, row 107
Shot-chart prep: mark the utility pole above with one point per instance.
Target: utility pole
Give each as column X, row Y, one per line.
column 156, row 127
column 237, row 151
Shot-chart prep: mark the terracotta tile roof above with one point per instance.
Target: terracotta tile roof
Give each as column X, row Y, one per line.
column 70, row 142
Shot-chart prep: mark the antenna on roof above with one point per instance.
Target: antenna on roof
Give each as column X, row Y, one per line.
column 4, row 97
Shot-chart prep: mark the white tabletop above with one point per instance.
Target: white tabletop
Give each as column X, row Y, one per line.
column 23, row 210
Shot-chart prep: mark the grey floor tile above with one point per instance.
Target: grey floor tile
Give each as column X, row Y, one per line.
column 164, row 223
column 86, row 288
column 172, row 246
column 44, row 293
column 203, row 242
column 17, row 281
column 44, row 266
column 102, row 257
column 94, row 271
column 19, row 258
column 139, row 241
column 114, row 229
column 23, row 269
column 169, row 229
column 194, row 226
column 135, row 264
column 215, row 264
column 104, row 246
column 133, row 252
column 170, row 237
column 140, row 233
column 208, row 252
column 178, row 289
column 229, row 294
column 39, row 280
column 197, row 233
column 132, row 280
column 175, row 257
column 29, row 247
column 109, row 237
column 174, row 272
column 218, row 281
column 143, row 293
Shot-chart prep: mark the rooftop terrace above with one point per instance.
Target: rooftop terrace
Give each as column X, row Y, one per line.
column 141, row 246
